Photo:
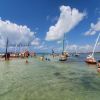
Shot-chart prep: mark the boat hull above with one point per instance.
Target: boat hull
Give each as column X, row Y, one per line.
column 89, row 62
column 62, row 59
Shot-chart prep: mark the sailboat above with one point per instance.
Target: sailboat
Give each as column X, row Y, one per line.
column 90, row 58
column 64, row 55
column 76, row 54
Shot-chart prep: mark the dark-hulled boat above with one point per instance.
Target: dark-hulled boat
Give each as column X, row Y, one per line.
column 77, row 55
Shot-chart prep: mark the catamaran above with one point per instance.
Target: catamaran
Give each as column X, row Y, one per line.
column 90, row 58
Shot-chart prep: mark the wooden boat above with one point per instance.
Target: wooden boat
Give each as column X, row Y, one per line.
column 66, row 53
column 90, row 59
column 63, row 58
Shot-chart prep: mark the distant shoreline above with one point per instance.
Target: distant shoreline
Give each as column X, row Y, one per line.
column 1, row 53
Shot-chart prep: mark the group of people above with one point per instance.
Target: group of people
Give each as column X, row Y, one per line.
column 47, row 59
column 42, row 58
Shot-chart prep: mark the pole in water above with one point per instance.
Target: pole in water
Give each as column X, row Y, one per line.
column 6, row 46
column 7, row 55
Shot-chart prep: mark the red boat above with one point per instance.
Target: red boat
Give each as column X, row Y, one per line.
column 90, row 60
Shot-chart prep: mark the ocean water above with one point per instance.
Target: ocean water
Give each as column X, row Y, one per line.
column 49, row 80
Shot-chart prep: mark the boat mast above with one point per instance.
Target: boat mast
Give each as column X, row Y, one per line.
column 7, row 46
column 95, row 44
column 15, row 48
column 20, row 48
column 76, row 49
column 67, row 44
column 64, row 43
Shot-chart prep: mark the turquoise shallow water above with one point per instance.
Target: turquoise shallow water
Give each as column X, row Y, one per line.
column 41, row 80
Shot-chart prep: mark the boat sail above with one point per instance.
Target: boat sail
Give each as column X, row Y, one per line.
column 90, row 58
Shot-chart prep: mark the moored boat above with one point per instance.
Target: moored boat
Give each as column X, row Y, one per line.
column 64, row 55
column 77, row 55
column 63, row 58
column 90, row 59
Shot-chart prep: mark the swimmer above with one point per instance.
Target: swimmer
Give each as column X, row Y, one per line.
column 98, row 69
column 41, row 58
column 26, row 61
column 98, row 63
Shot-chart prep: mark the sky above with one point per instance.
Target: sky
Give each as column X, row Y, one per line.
column 42, row 24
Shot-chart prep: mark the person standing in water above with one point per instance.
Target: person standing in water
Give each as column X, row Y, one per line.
column 98, row 66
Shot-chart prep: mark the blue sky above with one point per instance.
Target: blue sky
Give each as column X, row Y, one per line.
column 40, row 15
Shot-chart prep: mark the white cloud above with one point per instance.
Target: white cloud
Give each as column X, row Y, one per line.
column 74, row 47
column 59, row 41
column 68, row 19
column 79, row 48
column 82, row 48
column 36, row 42
column 94, row 28
column 97, row 11
column 42, row 46
column 15, row 33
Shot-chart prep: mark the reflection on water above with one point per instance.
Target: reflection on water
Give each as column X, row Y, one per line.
column 41, row 80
